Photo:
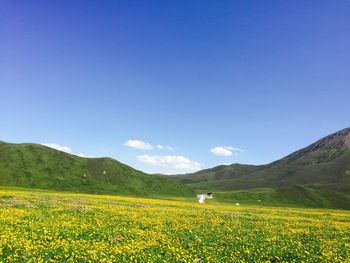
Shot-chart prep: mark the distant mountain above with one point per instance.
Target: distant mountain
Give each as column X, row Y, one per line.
column 37, row 166
column 322, row 166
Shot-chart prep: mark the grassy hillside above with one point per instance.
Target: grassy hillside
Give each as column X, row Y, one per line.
column 290, row 196
column 37, row 166
column 218, row 173
column 318, row 175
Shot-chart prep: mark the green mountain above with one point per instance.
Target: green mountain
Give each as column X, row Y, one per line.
column 315, row 175
column 37, row 166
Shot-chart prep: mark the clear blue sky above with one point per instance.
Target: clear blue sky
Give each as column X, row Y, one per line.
column 267, row 77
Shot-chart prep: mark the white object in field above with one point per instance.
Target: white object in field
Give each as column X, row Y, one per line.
column 202, row 197
column 237, row 203
column 259, row 200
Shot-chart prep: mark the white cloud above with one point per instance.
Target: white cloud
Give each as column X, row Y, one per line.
column 166, row 147
column 170, row 148
column 137, row 144
column 225, row 150
column 170, row 161
column 65, row 149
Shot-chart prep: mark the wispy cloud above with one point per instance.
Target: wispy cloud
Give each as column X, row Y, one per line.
column 225, row 150
column 177, row 162
column 164, row 147
column 160, row 147
column 64, row 148
column 146, row 146
column 137, row 144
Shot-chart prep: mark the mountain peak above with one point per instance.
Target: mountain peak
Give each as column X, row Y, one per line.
column 338, row 140
column 325, row 149
column 345, row 133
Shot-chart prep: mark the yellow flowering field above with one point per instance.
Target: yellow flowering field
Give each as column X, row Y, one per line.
column 43, row 226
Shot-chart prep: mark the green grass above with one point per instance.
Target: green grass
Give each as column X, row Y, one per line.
column 293, row 196
column 48, row 226
column 37, row 166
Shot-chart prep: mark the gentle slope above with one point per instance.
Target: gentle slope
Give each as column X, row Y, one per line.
column 37, row 166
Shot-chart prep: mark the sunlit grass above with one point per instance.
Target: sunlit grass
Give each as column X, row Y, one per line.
column 42, row 226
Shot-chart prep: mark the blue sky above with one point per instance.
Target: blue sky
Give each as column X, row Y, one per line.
column 211, row 82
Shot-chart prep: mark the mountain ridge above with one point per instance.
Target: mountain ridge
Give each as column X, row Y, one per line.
column 38, row 166
column 324, row 163
column 317, row 175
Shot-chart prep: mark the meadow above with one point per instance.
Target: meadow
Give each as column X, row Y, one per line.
column 47, row 226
